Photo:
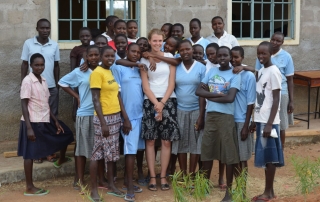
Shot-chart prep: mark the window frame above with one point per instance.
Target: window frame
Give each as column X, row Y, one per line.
column 70, row 44
column 256, row 41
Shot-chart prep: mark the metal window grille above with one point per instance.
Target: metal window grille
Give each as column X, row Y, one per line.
column 261, row 18
column 74, row 14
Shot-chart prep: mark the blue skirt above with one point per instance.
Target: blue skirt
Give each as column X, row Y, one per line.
column 268, row 150
column 47, row 141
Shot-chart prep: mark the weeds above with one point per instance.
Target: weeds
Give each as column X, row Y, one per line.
column 190, row 187
column 307, row 172
column 239, row 193
column 85, row 192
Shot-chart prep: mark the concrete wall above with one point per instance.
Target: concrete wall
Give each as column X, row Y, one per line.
column 18, row 21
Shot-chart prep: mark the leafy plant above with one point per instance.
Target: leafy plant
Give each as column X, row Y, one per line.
column 308, row 174
column 192, row 186
column 239, row 193
column 85, row 192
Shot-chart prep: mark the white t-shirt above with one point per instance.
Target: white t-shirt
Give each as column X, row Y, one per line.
column 159, row 79
column 269, row 79
column 225, row 40
column 132, row 40
column 107, row 36
column 210, row 65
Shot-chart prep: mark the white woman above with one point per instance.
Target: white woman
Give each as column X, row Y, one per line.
column 159, row 109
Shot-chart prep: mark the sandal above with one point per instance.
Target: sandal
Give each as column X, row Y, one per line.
column 52, row 158
column 143, row 182
column 164, row 187
column 57, row 165
column 135, row 188
column 117, row 194
column 38, row 161
column 40, row 192
column 129, row 197
column 152, row 187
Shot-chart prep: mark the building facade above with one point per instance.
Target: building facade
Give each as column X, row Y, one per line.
column 299, row 19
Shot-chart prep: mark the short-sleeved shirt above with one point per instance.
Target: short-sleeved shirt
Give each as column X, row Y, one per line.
column 220, row 82
column 77, row 53
column 269, row 79
column 107, row 36
column 81, row 80
column 246, row 96
column 187, row 82
column 225, row 40
column 133, row 40
column 131, row 89
column 203, row 42
column 283, row 60
column 50, row 52
column 103, row 79
column 159, row 79
column 210, row 65
column 38, row 95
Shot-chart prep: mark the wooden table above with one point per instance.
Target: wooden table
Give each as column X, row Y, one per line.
column 311, row 79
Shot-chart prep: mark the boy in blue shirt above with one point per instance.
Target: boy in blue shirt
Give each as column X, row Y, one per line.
column 219, row 142
column 283, row 60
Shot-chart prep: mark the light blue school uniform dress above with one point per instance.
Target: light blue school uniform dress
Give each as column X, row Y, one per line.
column 187, row 82
column 132, row 97
column 203, row 42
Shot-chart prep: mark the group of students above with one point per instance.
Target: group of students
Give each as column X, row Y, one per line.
column 186, row 95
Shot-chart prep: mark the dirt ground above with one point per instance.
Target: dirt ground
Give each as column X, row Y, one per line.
column 285, row 184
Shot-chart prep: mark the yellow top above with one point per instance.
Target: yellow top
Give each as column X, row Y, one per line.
column 103, row 79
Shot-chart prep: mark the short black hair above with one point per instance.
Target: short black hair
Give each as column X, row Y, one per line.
column 132, row 44
column 119, row 21
column 120, row 35
column 142, row 38
column 225, row 47
column 179, row 25
column 101, row 36
column 92, row 47
column 279, row 33
column 109, row 19
column 178, row 40
column 198, row 45
column 184, row 41
column 217, row 17
column 240, row 49
column 95, row 32
column 84, row 29
column 130, row 21
column 34, row 56
column 43, row 20
column 268, row 44
column 196, row 20
column 212, row 45
column 106, row 48
column 167, row 24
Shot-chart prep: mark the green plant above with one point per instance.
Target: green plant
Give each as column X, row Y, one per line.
column 239, row 193
column 307, row 172
column 85, row 192
column 192, row 186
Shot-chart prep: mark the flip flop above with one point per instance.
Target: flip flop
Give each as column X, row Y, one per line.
column 56, row 165
column 129, row 197
column 136, row 189
column 52, row 158
column 105, row 188
column 256, row 198
column 142, row 182
column 117, row 194
column 223, row 187
column 94, row 200
column 37, row 161
column 40, row 192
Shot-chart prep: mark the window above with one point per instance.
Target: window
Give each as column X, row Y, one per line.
column 74, row 14
column 259, row 19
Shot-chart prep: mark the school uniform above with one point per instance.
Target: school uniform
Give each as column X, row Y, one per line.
column 203, row 42
column 283, row 60
column 47, row 141
column 51, row 54
column 225, row 40
column 107, row 36
column 210, row 65
column 267, row 150
column 220, row 139
column 187, row 82
column 167, row 129
column 84, row 119
column 133, row 40
column 106, row 147
column 246, row 96
column 132, row 97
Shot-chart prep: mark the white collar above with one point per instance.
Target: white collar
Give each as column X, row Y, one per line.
column 224, row 34
column 190, row 69
column 276, row 53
